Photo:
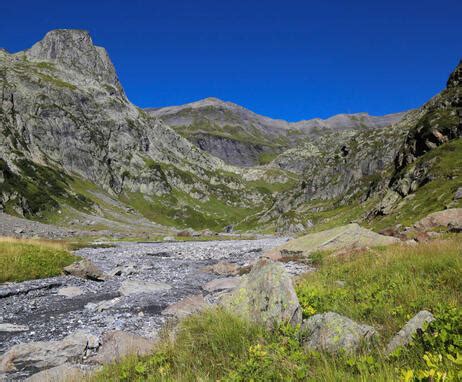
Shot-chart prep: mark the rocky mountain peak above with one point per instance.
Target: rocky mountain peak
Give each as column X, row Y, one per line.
column 455, row 79
column 74, row 49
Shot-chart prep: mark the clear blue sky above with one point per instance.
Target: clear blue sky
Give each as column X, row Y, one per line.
column 285, row 59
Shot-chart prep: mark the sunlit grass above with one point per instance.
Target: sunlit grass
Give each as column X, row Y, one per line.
column 26, row 259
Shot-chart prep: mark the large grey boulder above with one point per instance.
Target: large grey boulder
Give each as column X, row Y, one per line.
column 338, row 238
column 404, row 336
column 334, row 333
column 43, row 355
column 130, row 287
column 265, row 295
column 85, row 269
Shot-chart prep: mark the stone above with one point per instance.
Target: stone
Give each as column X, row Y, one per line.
column 413, row 326
column 452, row 216
column 117, row 344
column 265, row 295
column 42, row 355
column 85, row 269
column 334, row 333
column 223, row 268
column 219, row 285
column 131, row 287
column 458, row 194
column 186, row 307
column 338, row 238
column 168, row 239
column 103, row 305
column 70, row 292
column 62, row 373
column 10, row 328
column 123, row 270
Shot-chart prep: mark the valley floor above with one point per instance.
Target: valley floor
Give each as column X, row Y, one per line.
column 97, row 307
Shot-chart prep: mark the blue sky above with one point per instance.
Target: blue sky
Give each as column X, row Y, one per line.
column 284, row 59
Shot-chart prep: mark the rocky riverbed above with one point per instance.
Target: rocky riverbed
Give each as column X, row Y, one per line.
column 144, row 279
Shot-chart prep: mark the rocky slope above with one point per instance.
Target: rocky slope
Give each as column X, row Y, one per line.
column 244, row 138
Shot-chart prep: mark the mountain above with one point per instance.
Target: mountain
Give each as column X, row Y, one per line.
column 68, row 133
column 241, row 137
column 75, row 151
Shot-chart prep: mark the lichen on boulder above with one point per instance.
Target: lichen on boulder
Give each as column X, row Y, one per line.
column 265, row 295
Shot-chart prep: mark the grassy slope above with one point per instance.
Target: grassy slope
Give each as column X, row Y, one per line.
column 32, row 259
column 382, row 287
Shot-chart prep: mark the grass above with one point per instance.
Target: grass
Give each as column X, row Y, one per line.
column 382, row 287
column 22, row 259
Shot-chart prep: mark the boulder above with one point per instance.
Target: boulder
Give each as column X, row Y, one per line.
column 117, row 344
column 219, row 285
column 130, row 287
column 186, row 306
column 265, row 295
column 70, row 292
column 62, row 373
column 223, row 268
column 334, row 333
column 404, row 336
column 338, row 238
column 103, row 305
column 43, row 355
column 446, row 218
column 86, row 270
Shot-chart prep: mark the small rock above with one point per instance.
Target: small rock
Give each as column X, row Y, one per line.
column 10, row 328
column 60, row 373
column 186, row 306
column 86, row 270
column 70, row 292
column 223, row 268
column 130, row 287
column 103, row 305
column 458, row 194
column 168, row 239
column 404, row 336
column 334, row 333
column 117, row 344
column 218, row 285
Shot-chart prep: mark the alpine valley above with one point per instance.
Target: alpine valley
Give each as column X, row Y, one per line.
column 76, row 153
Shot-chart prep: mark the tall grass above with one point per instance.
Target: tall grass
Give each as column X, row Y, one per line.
column 26, row 259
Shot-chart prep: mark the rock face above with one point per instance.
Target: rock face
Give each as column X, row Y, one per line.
column 344, row 237
column 404, row 336
column 44, row 355
column 86, row 270
column 265, row 295
column 334, row 333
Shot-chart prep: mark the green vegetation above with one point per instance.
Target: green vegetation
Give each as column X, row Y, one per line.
column 32, row 259
column 266, row 157
column 382, row 287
